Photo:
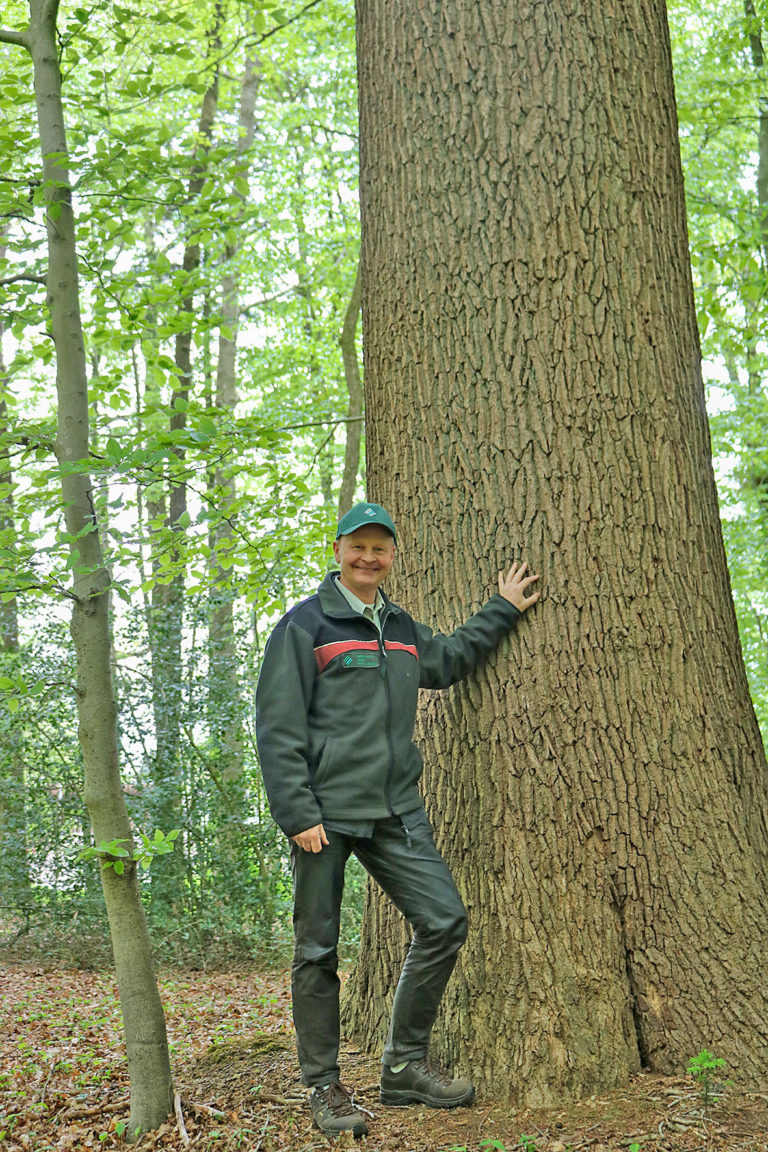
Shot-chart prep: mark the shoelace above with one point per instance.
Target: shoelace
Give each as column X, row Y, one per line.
column 436, row 1071
column 338, row 1100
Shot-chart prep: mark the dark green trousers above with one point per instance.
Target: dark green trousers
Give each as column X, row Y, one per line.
column 414, row 875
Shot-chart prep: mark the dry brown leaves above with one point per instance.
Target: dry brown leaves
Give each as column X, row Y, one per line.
column 63, row 1083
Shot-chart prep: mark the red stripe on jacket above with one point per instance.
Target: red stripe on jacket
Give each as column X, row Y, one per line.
column 326, row 652
column 402, row 647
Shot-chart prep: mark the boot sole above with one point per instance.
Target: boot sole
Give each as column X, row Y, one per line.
column 357, row 1131
column 400, row 1098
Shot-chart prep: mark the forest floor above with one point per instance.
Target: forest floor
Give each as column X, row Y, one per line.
column 63, row 1083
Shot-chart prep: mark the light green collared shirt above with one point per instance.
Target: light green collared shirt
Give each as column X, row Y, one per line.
column 370, row 611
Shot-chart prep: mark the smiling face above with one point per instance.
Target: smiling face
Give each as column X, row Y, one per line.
column 366, row 557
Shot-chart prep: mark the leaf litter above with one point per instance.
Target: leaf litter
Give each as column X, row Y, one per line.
column 64, row 1084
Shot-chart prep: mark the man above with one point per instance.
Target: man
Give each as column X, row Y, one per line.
column 336, row 704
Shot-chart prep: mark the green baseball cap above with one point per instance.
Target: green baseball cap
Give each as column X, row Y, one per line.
column 360, row 515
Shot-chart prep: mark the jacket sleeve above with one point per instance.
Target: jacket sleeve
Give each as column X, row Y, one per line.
column 283, row 695
column 445, row 659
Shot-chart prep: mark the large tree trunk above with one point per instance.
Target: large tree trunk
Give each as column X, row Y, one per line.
column 149, row 1067
column 533, row 389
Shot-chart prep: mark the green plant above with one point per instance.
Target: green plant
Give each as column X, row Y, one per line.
column 527, row 1143
column 114, row 855
column 702, row 1068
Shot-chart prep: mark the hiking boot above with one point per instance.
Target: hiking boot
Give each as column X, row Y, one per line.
column 333, row 1111
column 422, row 1082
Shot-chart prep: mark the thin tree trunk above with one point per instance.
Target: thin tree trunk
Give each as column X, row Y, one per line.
column 757, row 474
column 168, row 598
column 758, row 59
column 313, row 336
column 348, row 343
column 224, row 703
column 149, row 1067
column 533, row 388
column 14, row 867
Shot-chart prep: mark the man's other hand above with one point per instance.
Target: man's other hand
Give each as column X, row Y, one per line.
column 513, row 585
column 311, row 839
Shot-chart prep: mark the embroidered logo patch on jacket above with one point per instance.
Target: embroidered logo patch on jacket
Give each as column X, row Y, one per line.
column 360, row 660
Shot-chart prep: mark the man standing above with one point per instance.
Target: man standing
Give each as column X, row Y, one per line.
column 335, row 709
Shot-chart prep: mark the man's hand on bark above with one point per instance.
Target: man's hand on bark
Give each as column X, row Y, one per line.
column 512, row 586
column 311, row 839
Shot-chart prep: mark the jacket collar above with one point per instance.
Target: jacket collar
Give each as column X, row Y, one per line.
column 333, row 603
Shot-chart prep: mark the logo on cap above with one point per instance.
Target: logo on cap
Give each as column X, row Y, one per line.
column 370, row 512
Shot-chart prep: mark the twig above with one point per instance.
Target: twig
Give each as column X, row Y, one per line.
column 48, row 1079
column 180, row 1120
column 272, row 1098
column 481, row 1125
column 110, row 1106
column 206, row 1110
column 261, row 1135
column 320, row 423
column 293, row 19
column 367, row 1089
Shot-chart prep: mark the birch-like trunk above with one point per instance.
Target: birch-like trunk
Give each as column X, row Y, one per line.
column 149, row 1067
column 533, row 389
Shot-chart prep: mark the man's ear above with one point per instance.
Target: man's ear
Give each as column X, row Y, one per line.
column 336, row 550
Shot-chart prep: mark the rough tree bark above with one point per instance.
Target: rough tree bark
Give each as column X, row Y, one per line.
column 149, row 1067
column 533, row 388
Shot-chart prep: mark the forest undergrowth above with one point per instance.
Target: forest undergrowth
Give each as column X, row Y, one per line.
column 64, row 1087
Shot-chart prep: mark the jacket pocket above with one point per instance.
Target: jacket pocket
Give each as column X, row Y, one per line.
column 326, row 761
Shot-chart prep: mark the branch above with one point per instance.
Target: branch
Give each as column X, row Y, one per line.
column 8, row 36
column 180, row 1120
column 45, row 588
column 293, row 19
column 23, row 276
column 320, row 423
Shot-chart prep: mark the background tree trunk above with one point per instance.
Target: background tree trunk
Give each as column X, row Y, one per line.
column 224, row 704
column 149, row 1067
column 354, row 427
column 533, row 389
column 167, row 616
column 14, row 868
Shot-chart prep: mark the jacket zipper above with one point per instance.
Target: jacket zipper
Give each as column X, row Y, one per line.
column 388, row 727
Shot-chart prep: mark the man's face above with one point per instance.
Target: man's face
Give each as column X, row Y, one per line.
column 366, row 557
